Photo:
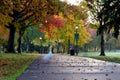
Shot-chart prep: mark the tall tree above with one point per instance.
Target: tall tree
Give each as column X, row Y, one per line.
column 108, row 13
column 112, row 9
column 22, row 11
column 96, row 7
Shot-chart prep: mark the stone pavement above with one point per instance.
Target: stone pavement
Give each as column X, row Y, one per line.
column 71, row 68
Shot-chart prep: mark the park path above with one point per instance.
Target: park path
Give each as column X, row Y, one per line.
column 63, row 67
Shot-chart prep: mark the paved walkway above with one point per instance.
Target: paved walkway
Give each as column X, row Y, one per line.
column 71, row 68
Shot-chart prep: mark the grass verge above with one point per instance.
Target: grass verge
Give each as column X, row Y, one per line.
column 107, row 58
column 13, row 65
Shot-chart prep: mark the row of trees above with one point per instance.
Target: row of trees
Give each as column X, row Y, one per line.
column 48, row 15
column 17, row 15
column 51, row 16
column 75, row 16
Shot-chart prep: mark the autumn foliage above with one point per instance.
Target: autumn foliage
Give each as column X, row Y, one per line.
column 3, row 35
column 57, row 21
column 51, row 23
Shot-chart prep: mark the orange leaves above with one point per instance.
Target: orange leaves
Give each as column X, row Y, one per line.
column 57, row 21
column 3, row 33
column 49, row 30
column 46, row 28
column 42, row 29
column 0, row 29
column 51, row 24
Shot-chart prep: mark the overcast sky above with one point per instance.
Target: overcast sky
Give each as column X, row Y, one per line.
column 74, row 2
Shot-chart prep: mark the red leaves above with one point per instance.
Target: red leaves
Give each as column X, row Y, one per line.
column 50, row 23
column 54, row 20
column 57, row 21
column 42, row 29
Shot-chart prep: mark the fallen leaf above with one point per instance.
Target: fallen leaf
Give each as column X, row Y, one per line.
column 106, row 74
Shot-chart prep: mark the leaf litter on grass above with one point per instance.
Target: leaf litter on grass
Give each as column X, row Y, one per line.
column 10, row 64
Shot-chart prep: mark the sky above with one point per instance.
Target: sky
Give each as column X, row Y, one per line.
column 76, row 2
column 73, row 2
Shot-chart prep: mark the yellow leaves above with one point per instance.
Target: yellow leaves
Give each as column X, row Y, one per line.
column 71, row 17
column 46, row 36
column 50, row 32
column 84, row 35
column 17, row 24
column 3, row 33
column 1, row 29
column 70, row 30
column 4, row 19
column 26, row 22
column 60, row 15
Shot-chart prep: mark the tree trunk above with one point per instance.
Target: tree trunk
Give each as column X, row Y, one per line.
column 27, row 49
column 10, row 47
column 102, row 44
column 68, row 45
column 19, row 42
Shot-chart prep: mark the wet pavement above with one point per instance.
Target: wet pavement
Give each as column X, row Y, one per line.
column 62, row 67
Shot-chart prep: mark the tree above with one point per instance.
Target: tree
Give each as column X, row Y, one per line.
column 30, row 35
column 52, row 28
column 26, row 11
column 96, row 7
column 109, row 13
column 77, row 17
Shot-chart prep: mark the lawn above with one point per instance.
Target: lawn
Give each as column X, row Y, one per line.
column 115, row 53
column 111, row 56
column 107, row 58
column 12, row 65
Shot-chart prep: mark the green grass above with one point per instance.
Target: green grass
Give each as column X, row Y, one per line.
column 107, row 53
column 13, row 65
column 111, row 56
column 107, row 58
